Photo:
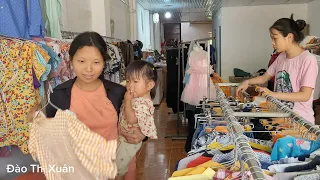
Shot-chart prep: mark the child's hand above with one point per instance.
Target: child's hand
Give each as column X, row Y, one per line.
column 128, row 96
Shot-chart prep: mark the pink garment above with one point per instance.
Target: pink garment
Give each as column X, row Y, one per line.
column 291, row 75
column 196, row 89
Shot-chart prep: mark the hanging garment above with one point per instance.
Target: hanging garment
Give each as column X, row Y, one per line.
column 115, row 68
column 71, row 147
column 18, row 94
column 197, row 86
column 21, row 19
column 52, row 11
column 143, row 109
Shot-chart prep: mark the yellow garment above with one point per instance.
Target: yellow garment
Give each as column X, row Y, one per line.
column 206, row 165
column 65, row 141
column 197, row 170
column 236, row 167
column 260, row 147
column 217, row 145
column 206, row 175
column 19, row 94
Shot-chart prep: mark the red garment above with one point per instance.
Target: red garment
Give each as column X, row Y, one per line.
column 273, row 58
column 200, row 160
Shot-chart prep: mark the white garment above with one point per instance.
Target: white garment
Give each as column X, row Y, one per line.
column 279, row 168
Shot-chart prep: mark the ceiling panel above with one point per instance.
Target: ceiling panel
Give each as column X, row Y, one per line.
column 182, row 10
column 266, row 2
column 201, row 10
column 231, row 3
column 298, row 1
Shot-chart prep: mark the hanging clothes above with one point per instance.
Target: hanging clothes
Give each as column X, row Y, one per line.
column 115, row 68
column 52, row 11
column 21, row 19
column 197, row 86
column 18, row 95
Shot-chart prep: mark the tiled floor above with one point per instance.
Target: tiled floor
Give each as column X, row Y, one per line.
column 158, row 158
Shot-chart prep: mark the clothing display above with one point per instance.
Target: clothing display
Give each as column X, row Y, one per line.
column 50, row 139
column 197, row 77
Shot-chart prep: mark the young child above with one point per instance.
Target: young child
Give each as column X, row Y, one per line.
column 137, row 110
column 295, row 69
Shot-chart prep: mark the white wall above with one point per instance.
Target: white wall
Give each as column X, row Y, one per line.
column 95, row 15
column 144, row 27
column 120, row 14
column 246, row 42
column 313, row 17
column 191, row 31
column 76, row 15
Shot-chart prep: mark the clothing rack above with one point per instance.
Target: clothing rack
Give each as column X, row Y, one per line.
column 181, row 46
column 245, row 150
column 72, row 35
column 294, row 116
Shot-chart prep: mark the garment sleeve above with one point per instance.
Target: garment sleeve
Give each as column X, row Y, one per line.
column 144, row 113
column 36, row 26
column 310, row 72
column 273, row 67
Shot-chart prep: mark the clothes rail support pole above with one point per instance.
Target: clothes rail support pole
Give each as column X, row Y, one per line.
column 245, row 151
column 178, row 136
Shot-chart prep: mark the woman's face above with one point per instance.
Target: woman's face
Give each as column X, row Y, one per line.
column 279, row 42
column 88, row 64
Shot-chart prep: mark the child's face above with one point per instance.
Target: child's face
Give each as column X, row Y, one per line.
column 88, row 64
column 139, row 86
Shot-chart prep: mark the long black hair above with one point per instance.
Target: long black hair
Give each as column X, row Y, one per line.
column 143, row 69
column 289, row 25
column 89, row 38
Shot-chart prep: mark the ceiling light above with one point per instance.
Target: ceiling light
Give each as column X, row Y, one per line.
column 167, row 15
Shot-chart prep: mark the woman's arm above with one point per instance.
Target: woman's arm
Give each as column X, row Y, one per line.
column 260, row 79
column 302, row 96
column 134, row 135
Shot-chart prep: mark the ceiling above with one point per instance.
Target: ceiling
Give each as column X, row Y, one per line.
column 201, row 10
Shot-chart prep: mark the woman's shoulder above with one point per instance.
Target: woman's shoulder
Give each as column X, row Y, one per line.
column 113, row 86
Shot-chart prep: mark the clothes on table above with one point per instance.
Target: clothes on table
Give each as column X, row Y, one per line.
column 293, row 147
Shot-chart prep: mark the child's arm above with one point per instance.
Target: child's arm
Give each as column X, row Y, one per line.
column 302, row 96
column 129, row 113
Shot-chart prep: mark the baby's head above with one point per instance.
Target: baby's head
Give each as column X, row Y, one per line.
column 141, row 79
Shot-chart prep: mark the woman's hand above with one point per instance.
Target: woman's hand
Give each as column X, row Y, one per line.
column 265, row 90
column 243, row 87
column 133, row 135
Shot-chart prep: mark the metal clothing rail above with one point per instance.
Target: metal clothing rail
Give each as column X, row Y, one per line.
column 294, row 116
column 245, row 150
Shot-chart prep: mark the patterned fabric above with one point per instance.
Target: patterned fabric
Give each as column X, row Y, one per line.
column 115, row 68
column 64, row 141
column 18, row 95
column 144, row 110
column 293, row 147
column 315, row 176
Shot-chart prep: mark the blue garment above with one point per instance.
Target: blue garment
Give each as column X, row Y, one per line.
column 54, row 60
column 196, row 133
column 293, row 147
column 21, row 18
column 44, row 76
